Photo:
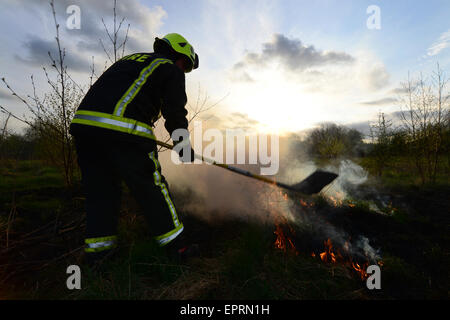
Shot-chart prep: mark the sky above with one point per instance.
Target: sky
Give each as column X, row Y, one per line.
column 273, row 66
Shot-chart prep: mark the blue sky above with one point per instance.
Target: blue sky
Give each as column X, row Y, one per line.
column 281, row 65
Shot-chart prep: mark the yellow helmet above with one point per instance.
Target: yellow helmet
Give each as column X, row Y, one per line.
column 181, row 46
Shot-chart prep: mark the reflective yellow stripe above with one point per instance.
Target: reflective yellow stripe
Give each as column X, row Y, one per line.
column 102, row 239
column 100, row 244
column 108, row 121
column 164, row 191
column 134, row 89
column 169, row 236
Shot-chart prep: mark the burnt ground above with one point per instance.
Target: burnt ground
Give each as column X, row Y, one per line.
column 238, row 257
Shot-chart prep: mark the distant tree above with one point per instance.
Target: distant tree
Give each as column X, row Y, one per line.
column 354, row 142
column 398, row 143
column 381, row 134
column 4, row 134
column 331, row 141
column 425, row 116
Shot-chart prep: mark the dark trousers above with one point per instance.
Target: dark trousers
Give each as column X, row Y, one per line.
column 104, row 165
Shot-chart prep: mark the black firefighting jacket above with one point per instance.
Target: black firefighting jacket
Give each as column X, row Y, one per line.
column 128, row 98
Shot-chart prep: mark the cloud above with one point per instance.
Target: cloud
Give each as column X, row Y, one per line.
column 38, row 54
column 315, row 70
column 378, row 102
column 233, row 121
column 293, row 55
column 242, row 121
column 442, row 43
column 5, row 95
column 241, row 76
column 242, row 117
column 400, row 90
column 81, row 44
column 363, row 127
column 376, row 77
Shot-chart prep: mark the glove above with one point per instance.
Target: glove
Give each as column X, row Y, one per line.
column 190, row 156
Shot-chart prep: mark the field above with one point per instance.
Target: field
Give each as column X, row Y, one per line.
column 42, row 225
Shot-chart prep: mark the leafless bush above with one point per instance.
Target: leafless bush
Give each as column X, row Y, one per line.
column 52, row 113
column 425, row 117
column 381, row 134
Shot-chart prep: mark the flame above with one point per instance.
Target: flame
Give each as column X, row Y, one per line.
column 361, row 269
column 280, row 242
column 336, row 201
column 306, row 204
column 283, row 231
column 331, row 256
column 303, row 203
column 328, row 255
column 283, row 242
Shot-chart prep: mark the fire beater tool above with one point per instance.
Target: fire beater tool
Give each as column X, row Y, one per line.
column 313, row 184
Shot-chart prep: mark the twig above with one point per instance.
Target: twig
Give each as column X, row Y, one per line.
column 62, row 256
column 11, row 216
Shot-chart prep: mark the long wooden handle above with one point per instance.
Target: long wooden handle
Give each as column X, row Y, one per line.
column 233, row 169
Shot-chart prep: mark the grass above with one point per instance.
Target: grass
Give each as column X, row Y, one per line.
column 400, row 171
column 238, row 259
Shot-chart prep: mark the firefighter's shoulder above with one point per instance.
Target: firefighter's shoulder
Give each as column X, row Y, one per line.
column 137, row 57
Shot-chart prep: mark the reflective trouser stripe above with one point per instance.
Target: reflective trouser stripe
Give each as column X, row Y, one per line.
column 164, row 191
column 100, row 244
column 108, row 121
column 137, row 85
column 166, row 238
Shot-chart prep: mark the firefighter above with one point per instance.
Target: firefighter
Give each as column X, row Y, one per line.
column 114, row 139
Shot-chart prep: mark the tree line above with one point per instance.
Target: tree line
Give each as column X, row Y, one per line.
column 418, row 134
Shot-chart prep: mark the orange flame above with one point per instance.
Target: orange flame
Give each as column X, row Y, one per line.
column 328, row 255
column 303, row 203
column 283, row 242
column 336, row 201
column 361, row 269
column 280, row 242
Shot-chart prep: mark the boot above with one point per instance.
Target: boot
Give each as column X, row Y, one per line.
column 181, row 250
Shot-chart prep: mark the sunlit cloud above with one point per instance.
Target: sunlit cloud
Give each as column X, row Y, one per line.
column 442, row 43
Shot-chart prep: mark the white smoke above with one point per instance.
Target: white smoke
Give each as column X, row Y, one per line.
column 350, row 176
column 363, row 244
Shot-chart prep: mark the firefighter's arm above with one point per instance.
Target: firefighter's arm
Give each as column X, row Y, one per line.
column 174, row 112
column 174, row 100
